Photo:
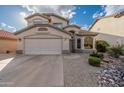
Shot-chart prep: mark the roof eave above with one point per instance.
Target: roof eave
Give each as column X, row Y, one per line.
column 36, row 14
column 72, row 26
column 22, row 30
column 52, row 14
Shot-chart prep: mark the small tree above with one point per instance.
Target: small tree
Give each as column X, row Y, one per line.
column 101, row 45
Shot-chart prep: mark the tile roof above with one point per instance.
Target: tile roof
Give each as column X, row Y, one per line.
column 53, row 14
column 87, row 33
column 72, row 26
column 7, row 35
column 37, row 14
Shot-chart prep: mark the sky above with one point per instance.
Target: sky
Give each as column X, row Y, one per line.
column 12, row 16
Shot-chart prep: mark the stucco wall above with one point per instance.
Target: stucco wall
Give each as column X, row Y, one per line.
column 66, row 44
column 8, row 45
column 58, row 20
column 53, row 31
column 111, row 29
column 73, row 29
column 111, row 39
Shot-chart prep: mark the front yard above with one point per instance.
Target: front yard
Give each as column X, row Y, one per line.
column 77, row 71
column 64, row 70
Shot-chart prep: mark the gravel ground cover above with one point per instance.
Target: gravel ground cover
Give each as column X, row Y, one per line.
column 77, row 71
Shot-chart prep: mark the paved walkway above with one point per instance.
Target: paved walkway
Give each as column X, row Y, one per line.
column 77, row 71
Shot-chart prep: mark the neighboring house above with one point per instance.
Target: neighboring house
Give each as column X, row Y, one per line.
column 8, row 42
column 48, row 33
column 110, row 28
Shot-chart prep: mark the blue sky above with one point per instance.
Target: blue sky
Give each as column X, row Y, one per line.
column 12, row 16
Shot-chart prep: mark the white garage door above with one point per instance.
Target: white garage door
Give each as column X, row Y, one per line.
column 43, row 46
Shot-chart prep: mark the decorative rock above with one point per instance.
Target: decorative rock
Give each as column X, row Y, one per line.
column 122, row 58
column 121, row 84
column 112, row 81
column 105, row 60
column 112, row 74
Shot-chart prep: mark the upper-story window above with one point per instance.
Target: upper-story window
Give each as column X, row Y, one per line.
column 59, row 25
column 39, row 21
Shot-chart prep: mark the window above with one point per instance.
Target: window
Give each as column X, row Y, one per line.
column 78, row 43
column 88, row 42
column 59, row 25
column 39, row 21
column 42, row 29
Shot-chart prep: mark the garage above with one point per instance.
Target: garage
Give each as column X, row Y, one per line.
column 39, row 46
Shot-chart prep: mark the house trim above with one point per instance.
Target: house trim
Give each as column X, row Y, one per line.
column 72, row 26
column 56, row 36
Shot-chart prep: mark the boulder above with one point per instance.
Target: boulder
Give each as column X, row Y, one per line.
column 105, row 60
column 121, row 58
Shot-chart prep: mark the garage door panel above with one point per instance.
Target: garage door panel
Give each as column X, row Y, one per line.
column 42, row 46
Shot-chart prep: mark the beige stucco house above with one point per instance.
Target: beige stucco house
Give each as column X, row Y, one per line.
column 49, row 33
column 8, row 42
column 110, row 28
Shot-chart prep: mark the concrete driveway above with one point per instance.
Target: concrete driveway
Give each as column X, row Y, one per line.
column 31, row 71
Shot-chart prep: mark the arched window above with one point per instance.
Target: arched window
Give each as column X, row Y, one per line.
column 39, row 21
column 42, row 29
column 88, row 42
column 78, row 43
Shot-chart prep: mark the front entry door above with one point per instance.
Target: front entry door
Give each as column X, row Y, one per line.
column 78, row 43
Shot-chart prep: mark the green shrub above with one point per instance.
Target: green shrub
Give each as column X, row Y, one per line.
column 101, row 45
column 122, row 50
column 94, row 61
column 99, row 55
column 116, row 51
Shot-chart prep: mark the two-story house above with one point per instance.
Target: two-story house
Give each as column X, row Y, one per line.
column 49, row 33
